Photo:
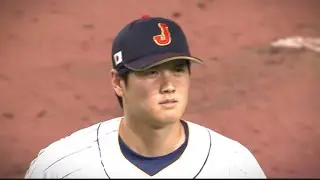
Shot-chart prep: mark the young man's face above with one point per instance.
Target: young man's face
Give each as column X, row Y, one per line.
column 159, row 94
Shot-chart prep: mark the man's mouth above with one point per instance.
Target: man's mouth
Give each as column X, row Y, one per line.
column 168, row 101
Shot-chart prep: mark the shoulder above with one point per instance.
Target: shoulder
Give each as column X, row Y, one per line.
column 219, row 143
column 231, row 154
column 67, row 150
column 215, row 137
column 218, row 140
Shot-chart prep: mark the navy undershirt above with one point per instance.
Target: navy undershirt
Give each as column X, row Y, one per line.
column 152, row 165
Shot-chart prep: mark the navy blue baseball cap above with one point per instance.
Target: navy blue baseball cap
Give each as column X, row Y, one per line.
column 150, row 41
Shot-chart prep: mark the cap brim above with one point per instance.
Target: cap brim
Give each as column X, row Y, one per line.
column 152, row 61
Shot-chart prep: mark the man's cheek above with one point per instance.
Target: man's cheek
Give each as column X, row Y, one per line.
column 140, row 95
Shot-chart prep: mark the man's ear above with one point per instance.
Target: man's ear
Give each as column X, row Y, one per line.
column 116, row 83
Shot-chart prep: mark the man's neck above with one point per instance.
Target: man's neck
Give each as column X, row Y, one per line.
column 151, row 142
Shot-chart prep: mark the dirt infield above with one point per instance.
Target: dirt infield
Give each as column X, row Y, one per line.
column 55, row 61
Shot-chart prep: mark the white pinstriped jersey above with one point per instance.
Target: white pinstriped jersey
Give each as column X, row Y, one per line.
column 94, row 152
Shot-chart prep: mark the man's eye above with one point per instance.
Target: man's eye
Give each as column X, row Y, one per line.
column 151, row 73
column 180, row 69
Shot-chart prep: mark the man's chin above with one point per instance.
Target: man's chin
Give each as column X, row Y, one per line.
column 166, row 119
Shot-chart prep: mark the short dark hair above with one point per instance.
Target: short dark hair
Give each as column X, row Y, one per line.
column 125, row 74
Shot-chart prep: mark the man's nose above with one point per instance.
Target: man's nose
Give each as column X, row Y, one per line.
column 167, row 85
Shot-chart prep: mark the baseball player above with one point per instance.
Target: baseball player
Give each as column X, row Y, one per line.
column 151, row 77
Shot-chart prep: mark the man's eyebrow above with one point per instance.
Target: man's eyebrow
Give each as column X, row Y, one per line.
column 183, row 63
